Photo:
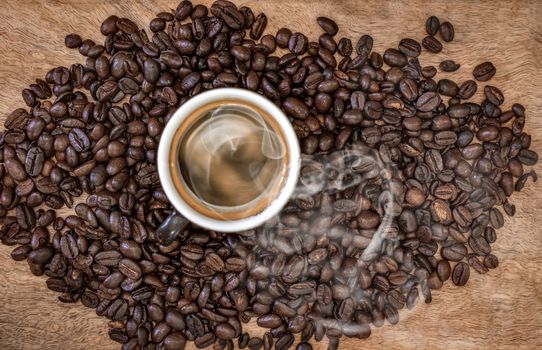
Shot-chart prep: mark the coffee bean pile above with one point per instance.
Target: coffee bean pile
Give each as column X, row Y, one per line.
column 434, row 166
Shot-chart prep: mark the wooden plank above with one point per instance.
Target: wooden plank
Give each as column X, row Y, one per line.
column 500, row 310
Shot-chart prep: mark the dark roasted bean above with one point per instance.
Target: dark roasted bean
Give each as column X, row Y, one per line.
column 432, row 25
column 484, row 71
column 447, row 31
column 431, row 44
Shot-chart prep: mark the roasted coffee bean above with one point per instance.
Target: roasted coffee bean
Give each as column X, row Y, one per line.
column 26, row 217
column 258, row 27
column 298, row 43
column 344, row 47
column 176, row 340
column 15, row 169
column 432, row 25
column 458, row 111
column 107, row 91
column 495, row 218
column 460, row 274
column 269, row 321
column 449, row 66
column 479, row 245
column 284, row 342
column 224, row 331
column 68, row 246
column 443, row 270
column 72, row 41
column 528, row 157
column 447, row 31
column 491, row 261
column 41, row 255
column 410, row 47
column 175, row 320
column 394, row 58
column 494, row 95
column 328, row 25
column 428, row 102
column 117, row 309
column 364, row 46
column 431, row 44
column 255, row 343
column 484, row 71
column 296, row 108
column 90, row 299
column 108, row 258
column 455, row 252
column 467, row 89
column 477, row 265
column 508, row 187
column 283, row 37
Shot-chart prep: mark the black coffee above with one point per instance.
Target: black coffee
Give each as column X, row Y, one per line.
column 231, row 156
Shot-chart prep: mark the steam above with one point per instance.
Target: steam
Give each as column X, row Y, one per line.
column 228, row 125
column 374, row 185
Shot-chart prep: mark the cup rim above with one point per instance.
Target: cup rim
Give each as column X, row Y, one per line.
column 164, row 169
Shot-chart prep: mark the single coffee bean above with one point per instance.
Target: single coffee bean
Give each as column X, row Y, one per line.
column 447, row 31
column 495, row 218
column 364, row 46
column 258, row 27
column 449, row 66
column 117, row 309
column 494, row 95
column 255, row 343
column 328, row 25
column 428, row 102
column 283, row 37
column 458, row 111
column 431, row 44
column 432, row 25
column 528, row 157
column 72, row 41
column 394, row 58
column 443, row 270
column 345, row 47
column 467, row 89
column 269, row 321
column 410, row 47
column 455, row 252
column 298, row 43
column 491, row 261
column 460, row 274
column 296, row 108
column 108, row 258
column 484, row 71
column 284, row 342
column 429, row 72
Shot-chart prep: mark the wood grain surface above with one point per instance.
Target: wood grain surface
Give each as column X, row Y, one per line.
column 500, row 310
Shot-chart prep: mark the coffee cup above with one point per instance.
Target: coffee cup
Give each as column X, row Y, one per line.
column 228, row 160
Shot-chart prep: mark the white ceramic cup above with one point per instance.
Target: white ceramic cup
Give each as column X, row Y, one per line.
column 165, row 173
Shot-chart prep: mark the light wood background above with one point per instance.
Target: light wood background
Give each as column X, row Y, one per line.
column 500, row 310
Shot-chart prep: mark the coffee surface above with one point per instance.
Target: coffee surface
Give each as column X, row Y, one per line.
column 230, row 156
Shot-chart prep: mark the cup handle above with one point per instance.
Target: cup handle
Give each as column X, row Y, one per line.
column 171, row 228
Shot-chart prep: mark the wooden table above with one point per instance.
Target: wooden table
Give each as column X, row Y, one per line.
column 500, row 310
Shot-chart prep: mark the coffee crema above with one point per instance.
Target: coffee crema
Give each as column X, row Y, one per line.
column 229, row 160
